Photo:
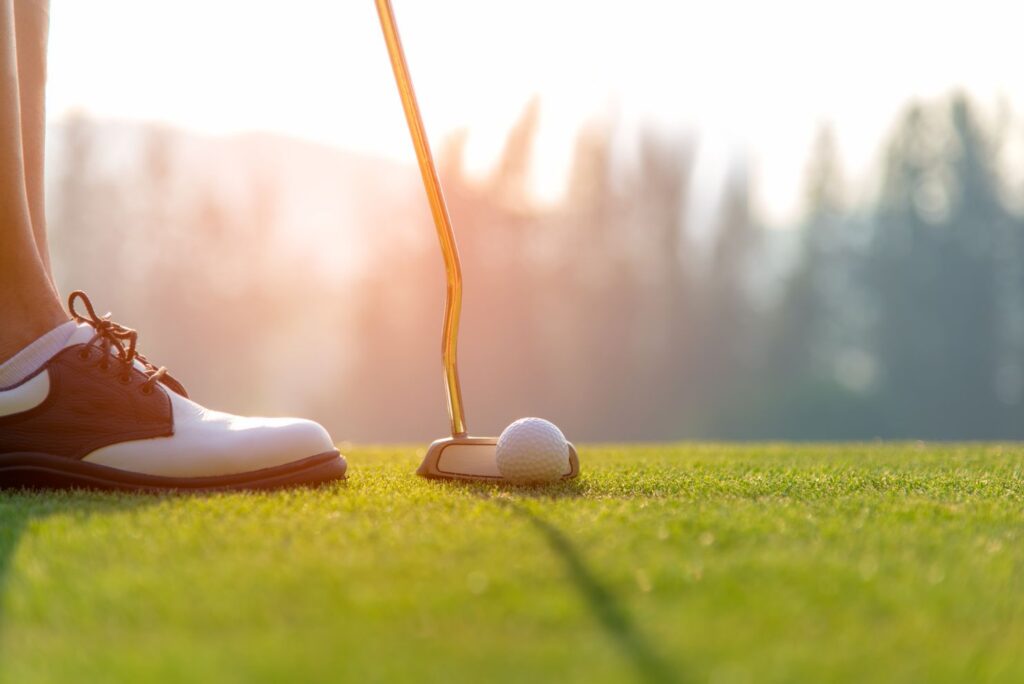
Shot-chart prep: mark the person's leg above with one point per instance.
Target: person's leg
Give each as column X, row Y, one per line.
column 29, row 305
column 32, row 28
column 79, row 406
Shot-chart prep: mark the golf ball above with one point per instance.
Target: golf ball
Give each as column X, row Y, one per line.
column 532, row 450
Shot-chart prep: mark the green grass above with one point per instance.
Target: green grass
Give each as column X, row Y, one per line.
column 751, row 563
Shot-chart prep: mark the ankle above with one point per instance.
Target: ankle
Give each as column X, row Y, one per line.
column 20, row 325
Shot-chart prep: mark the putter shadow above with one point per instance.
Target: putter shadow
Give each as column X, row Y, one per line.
column 603, row 605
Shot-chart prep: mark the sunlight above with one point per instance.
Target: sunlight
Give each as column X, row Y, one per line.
column 744, row 75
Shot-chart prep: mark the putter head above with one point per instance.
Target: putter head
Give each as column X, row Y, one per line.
column 472, row 458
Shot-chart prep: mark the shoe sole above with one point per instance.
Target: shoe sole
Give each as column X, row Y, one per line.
column 44, row 471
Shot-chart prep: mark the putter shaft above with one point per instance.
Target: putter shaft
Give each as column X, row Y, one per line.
column 439, row 211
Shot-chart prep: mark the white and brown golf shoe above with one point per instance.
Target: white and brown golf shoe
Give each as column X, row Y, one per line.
column 99, row 415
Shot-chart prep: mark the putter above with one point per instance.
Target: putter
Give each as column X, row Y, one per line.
column 459, row 457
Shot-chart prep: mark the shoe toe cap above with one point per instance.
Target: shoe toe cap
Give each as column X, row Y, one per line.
column 208, row 443
column 268, row 442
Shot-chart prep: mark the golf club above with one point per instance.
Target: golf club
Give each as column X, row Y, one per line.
column 459, row 456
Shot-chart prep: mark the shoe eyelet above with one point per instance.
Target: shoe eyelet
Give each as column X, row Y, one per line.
column 147, row 389
column 103, row 365
column 124, row 378
column 84, row 355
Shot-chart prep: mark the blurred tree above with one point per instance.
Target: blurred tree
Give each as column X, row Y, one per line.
column 727, row 320
column 85, row 205
column 602, row 328
column 665, row 338
column 934, row 276
column 816, row 372
column 510, row 178
column 806, row 309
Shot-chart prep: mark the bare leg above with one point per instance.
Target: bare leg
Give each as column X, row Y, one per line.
column 29, row 305
column 32, row 28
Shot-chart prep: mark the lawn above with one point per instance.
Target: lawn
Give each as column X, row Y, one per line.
column 742, row 563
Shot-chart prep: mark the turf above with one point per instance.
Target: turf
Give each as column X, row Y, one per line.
column 761, row 563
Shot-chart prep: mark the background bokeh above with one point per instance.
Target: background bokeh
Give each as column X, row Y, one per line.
column 677, row 220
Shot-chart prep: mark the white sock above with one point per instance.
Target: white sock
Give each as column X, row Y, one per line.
column 31, row 358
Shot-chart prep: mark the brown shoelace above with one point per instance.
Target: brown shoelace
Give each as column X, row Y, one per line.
column 116, row 338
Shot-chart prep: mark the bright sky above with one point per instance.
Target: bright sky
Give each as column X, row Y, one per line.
column 746, row 75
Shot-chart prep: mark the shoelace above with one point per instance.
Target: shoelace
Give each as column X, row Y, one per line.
column 116, row 338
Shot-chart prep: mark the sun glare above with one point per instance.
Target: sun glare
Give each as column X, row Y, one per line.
column 746, row 77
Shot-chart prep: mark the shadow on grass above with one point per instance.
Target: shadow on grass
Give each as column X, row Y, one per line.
column 20, row 509
column 601, row 601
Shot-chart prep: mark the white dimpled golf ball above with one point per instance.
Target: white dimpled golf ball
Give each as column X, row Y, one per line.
column 532, row 450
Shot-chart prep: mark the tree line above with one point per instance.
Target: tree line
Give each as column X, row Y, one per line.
column 899, row 317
